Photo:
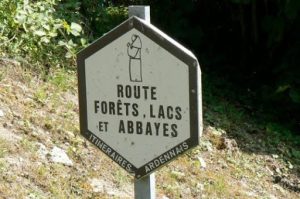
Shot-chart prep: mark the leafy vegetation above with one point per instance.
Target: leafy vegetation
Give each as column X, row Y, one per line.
column 50, row 33
column 32, row 33
column 102, row 15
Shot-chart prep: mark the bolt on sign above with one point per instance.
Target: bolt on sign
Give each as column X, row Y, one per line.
column 139, row 97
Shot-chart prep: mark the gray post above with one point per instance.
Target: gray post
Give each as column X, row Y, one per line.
column 142, row 12
column 144, row 188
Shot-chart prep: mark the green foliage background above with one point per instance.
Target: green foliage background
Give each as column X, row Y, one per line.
column 32, row 32
column 253, row 44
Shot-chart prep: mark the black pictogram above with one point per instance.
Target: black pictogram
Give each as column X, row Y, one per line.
column 134, row 49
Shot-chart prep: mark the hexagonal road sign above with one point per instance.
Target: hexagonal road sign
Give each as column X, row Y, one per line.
column 139, row 96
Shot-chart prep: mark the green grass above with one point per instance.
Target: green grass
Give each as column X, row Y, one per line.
column 121, row 178
column 218, row 187
column 41, row 95
column 28, row 145
column 3, row 147
column 62, row 79
column 3, row 166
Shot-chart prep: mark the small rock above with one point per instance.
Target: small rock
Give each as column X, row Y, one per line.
column 290, row 166
column 42, row 152
column 97, row 185
column 70, row 134
column 279, row 188
column 278, row 170
column 200, row 186
column 215, row 131
column 272, row 197
column 103, row 186
column 251, row 194
column 229, row 144
column 275, row 156
column 177, row 173
column 202, row 162
column 32, row 196
column 269, row 170
column 1, row 113
column 206, row 145
column 58, row 155
column 187, row 191
column 8, row 135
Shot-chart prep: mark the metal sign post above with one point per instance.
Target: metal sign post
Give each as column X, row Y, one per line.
column 144, row 188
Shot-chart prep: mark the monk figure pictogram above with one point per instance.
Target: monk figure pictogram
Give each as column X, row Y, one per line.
column 135, row 62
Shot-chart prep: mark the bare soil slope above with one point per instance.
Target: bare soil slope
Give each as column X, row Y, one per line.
column 43, row 155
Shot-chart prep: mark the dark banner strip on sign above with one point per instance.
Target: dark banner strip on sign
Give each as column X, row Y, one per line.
column 166, row 157
column 111, row 153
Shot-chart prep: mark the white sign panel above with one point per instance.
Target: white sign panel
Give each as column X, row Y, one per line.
column 138, row 98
